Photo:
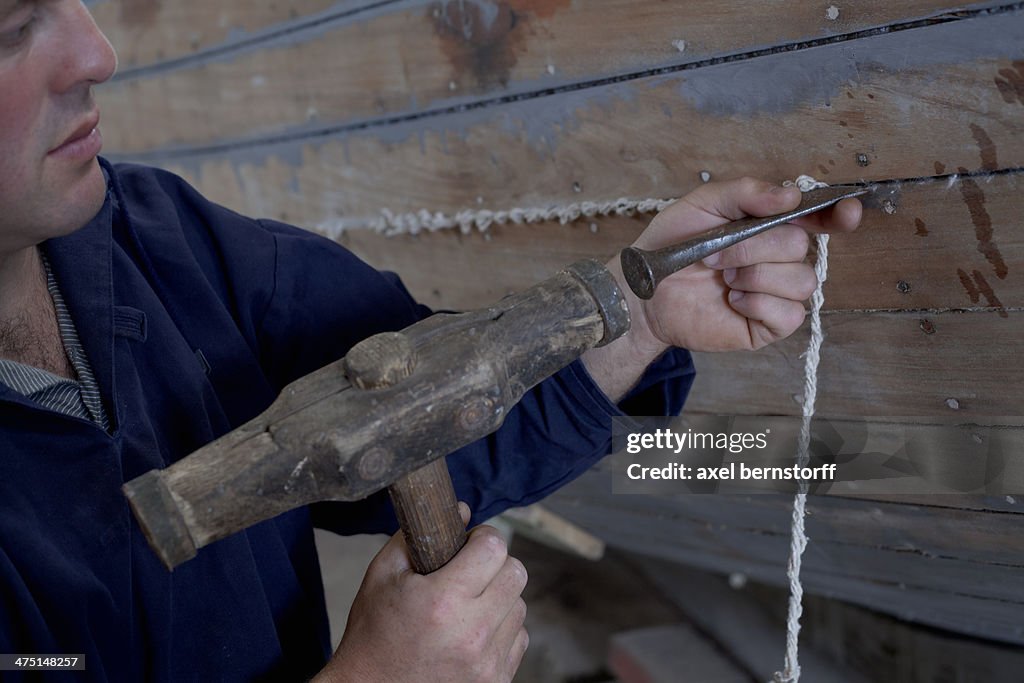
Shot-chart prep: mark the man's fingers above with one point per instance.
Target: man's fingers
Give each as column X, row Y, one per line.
column 393, row 558
column 465, row 512
column 786, row 243
column 843, row 216
column 794, row 281
column 770, row 317
column 479, row 561
column 515, row 654
column 714, row 204
column 508, row 629
column 509, row 582
column 711, row 205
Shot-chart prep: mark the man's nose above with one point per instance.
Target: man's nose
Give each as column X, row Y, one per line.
column 87, row 56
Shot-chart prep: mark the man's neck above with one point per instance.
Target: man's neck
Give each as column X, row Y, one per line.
column 20, row 272
column 28, row 321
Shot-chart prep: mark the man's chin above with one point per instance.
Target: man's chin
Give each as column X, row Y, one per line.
column 80, row 199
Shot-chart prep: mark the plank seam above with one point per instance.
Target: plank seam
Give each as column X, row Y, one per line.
column 391, row 224
column 920, row 552
column 598, row 501
column 959, row 513
column 768, row 533
column 951, row 178
column 830, row 573
column 924, row 589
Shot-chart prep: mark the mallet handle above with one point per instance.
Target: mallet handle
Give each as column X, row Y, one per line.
column 424, row 499
column 429, row 516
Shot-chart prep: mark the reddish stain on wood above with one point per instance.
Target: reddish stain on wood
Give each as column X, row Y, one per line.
column 940, row 168
column 979, row 287
column 986, row 147
column 921, row 229
column 986, row 290
column 975, row 200
column 968, row 285
column 484, row 39
column 1010, row 83
column 479, row 41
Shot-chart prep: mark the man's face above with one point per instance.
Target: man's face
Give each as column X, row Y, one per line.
column 51, row 54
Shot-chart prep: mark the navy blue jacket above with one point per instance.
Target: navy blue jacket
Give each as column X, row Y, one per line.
column 193, row 318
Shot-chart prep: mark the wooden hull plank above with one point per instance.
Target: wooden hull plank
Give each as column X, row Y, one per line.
column 146, row 34
column 400, row 58
column 878, row 364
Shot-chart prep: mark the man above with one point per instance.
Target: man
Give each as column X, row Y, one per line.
column 138, row 322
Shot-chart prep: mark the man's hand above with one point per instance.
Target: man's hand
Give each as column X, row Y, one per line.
column 464, row 622
column 746, row 297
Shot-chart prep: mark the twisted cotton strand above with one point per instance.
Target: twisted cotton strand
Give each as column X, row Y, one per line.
column 390, row 223
column 798, row 539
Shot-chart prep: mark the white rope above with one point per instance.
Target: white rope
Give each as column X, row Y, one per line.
column 798, row 540
column 390, row 223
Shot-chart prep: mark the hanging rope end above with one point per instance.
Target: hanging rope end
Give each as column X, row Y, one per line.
column 786, row 676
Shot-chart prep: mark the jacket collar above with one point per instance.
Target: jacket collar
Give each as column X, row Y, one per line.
column 82, row 266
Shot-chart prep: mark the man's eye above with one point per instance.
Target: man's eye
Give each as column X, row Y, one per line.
column 15, row 37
